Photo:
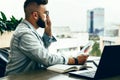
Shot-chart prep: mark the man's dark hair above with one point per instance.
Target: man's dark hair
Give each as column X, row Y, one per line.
column 32, row 5
column 27, row 2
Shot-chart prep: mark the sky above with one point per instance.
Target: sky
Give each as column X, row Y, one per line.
column 68, row 12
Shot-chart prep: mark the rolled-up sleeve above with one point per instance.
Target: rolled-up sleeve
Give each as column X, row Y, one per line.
column 32, row 48
column 48, row 40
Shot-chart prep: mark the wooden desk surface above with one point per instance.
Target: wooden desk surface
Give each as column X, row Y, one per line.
column 46, row 75
column 40, row 75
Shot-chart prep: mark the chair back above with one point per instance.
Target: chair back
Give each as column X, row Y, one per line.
column 3, row 60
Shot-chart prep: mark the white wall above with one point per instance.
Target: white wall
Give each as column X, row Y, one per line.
column 12, row 7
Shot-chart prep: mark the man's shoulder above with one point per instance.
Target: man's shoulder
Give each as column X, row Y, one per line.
column 22, row 29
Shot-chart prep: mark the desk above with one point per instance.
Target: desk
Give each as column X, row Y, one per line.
column 39, row 75
column 46, row 75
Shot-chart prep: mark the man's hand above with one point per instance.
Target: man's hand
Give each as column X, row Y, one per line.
column 48, row 30
column 71, row 61
column 82, row 58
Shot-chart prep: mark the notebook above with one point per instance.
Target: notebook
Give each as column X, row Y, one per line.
column 109, row 65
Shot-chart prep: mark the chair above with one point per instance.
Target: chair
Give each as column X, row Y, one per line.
column 3, row 60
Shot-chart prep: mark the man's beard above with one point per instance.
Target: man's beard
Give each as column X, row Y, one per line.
column 41, row 23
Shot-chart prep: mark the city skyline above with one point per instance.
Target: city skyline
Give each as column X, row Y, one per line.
column 95, row 21
column 68, row 12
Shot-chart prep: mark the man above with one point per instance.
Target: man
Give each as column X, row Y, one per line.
column 28, row 48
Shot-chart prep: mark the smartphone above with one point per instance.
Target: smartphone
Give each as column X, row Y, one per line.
column 87, row 48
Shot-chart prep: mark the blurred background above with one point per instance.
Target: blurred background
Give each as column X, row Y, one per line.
column 75, row 23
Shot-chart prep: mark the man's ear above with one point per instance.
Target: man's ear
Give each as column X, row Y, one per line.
column 35, row 15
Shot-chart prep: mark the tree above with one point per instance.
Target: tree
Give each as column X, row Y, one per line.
column 95, row 50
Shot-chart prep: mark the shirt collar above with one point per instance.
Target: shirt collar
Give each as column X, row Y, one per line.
column 30, row 25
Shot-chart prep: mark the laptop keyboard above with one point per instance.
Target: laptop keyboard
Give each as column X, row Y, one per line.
column 88, row 74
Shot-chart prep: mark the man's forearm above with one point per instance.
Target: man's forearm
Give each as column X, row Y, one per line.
column 48, row 40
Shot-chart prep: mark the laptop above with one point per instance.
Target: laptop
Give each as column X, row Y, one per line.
column 108, row 66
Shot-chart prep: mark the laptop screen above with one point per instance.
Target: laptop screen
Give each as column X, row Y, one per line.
column 109, row 63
